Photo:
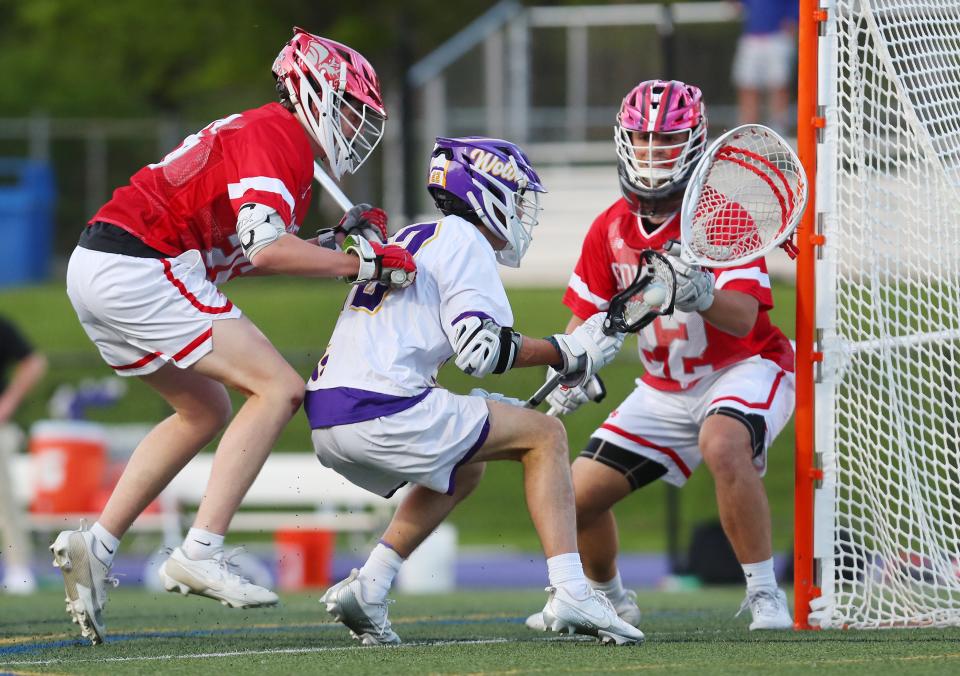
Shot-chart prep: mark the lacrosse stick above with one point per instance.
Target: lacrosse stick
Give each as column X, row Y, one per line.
column 650, row 295
column 745, row 197
column 332, row 187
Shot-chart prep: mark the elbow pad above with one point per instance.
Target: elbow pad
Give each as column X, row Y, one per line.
column 257, row 227
column 483, row 347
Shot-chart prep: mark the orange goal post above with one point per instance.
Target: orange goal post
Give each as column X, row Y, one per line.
column 877, row 509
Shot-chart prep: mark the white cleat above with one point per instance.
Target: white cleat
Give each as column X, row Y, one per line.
column 85, row 579
column 366, row 621
column 769, row 609
column 592, row 616
column 625, row 605
column 212, row 578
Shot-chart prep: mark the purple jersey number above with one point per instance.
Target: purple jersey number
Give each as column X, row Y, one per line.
column 369, row 296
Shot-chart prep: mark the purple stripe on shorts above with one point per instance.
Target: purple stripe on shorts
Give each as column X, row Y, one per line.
column 484, row 431
column 472, row 313
column 346, row 405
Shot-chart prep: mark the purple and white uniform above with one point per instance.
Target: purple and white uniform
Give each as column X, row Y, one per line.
column 378, row 416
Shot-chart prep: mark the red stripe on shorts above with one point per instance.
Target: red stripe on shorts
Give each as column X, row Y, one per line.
column 193, row 344
column 143, row 361
column 167, row 270
column 669, row 452
column 755, row 404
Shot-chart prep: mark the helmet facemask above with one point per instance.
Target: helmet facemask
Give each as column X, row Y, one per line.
column 346, row 129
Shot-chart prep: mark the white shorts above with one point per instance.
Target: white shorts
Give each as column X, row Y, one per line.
column 763, row 61
column 423, row 445
column 665, row 426
column 143, row 312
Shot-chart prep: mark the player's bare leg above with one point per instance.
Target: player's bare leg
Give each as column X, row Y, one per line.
column 748, row 105
column 741, row 498
column 745, row 516
column 201, row 409
column 598, row 488
column 423, row 510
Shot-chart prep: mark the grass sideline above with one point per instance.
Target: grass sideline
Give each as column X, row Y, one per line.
column 465, row 632
column 298, row 316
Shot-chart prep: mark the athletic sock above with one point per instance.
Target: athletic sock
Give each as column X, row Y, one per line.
column 378, row 572
column 201, row 544
column 105, row 543
column 760, row 575
column 566, row 571
column 613, row 588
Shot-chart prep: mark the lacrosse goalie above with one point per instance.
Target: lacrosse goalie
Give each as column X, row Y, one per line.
column 380, row 419
column 144, row 281
column 719, row 377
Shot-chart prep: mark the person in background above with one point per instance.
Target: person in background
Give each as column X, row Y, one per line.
column 763, row 61
column 21, row 368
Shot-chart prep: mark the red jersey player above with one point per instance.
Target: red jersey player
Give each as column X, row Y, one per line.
column 718, row 383
column 144, row 282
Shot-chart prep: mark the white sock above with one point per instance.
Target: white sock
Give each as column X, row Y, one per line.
column 566, row 571
column 378, row 572
column 613, row 588
column 105, row 543
column 201, row 544
column 760, row 575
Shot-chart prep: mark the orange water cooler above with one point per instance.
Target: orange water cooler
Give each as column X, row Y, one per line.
column 69, row 459
column 304, row 557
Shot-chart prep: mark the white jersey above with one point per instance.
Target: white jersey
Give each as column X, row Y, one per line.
column 388, row 345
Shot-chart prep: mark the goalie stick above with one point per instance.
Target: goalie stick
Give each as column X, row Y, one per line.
column 650, row 295
column 745, row 197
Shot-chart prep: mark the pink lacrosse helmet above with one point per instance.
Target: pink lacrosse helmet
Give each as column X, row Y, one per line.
column 336, row 94
column 661, row 133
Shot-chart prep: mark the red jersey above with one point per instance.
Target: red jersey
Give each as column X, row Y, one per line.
column 189, row 200
column 679, row 349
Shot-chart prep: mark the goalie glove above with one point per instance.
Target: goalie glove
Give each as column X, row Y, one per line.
column 694, row 284
column 384, row 263
column 483, row 347
column 585, row 351
column 362, row 219
column 565, row 400
column 496, row 396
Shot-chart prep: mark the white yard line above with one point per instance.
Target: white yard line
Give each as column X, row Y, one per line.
column 244, row 653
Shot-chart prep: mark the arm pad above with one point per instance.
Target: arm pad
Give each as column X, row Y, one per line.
column 483, row 347
column 258, row 226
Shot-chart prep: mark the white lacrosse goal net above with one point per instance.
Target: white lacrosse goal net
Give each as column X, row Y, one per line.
column 887, row 393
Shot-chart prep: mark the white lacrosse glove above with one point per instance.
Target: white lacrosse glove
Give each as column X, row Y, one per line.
column 496, row 396
column 385, row 263
column 694, row 284
column 483, row 347
column 565, row 400
column 585, row 351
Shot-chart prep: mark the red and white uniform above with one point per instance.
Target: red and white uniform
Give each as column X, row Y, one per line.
column 682, row 354
column 190, row 199
column 144, row 312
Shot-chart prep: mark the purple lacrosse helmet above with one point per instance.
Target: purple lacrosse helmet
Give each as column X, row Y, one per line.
column 661, row 134
column 489, row 182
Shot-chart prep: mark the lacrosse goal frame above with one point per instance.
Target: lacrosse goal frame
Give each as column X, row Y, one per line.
column 877, row 97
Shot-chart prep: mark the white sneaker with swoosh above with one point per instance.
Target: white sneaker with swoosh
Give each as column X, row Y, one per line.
column 625, row 605
column 593, row 616
column 214, row 579
column 85, row 580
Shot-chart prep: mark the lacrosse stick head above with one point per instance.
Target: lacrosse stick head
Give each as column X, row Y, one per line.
column 650, row 295
column 745, row 197
column 661, row 133
column 334, row 92
column 492, row 183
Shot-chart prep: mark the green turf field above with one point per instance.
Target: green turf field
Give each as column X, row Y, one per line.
column 298, row 316
column 464, row 633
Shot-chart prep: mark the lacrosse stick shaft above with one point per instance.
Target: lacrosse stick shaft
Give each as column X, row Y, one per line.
column 544, row 390
column 331, row 187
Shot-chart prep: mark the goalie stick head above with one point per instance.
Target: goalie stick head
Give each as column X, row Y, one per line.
column 650, row 295
column 661, row 133
column 491, row 183
column 334, row 92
